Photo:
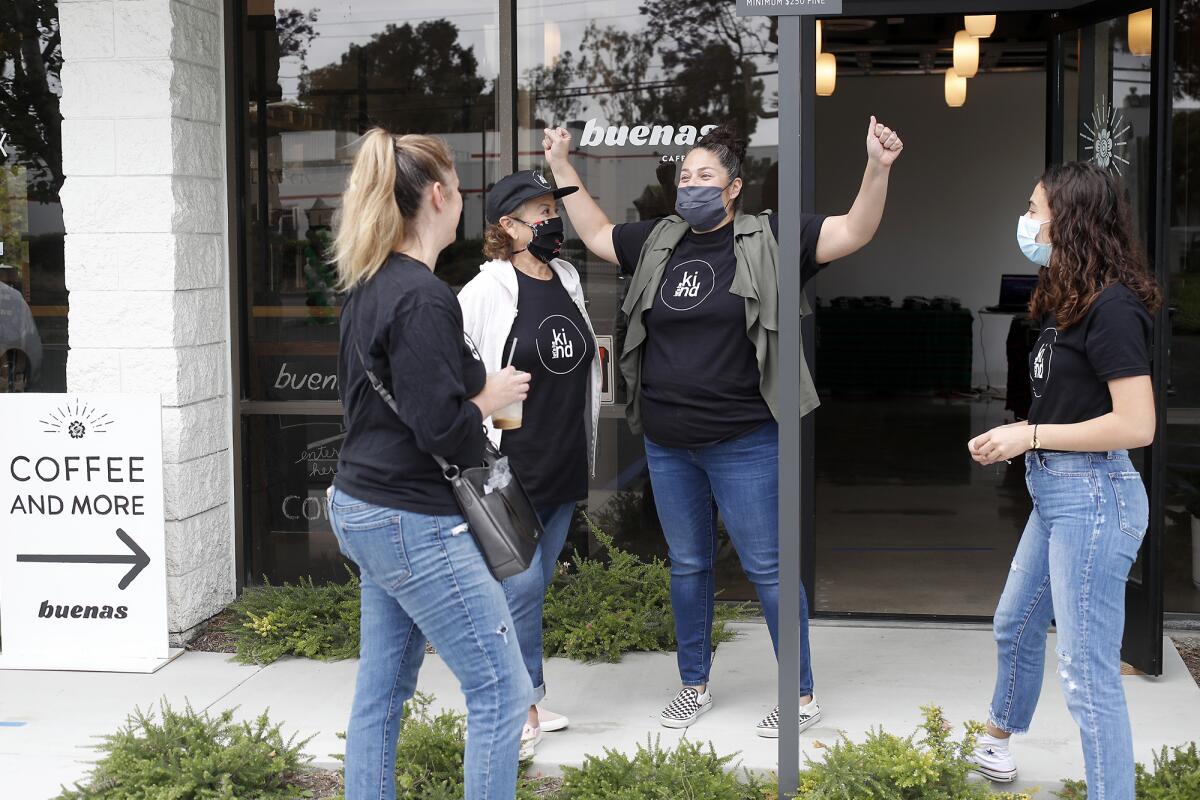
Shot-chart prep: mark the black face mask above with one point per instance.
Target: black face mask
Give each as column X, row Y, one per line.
column 547, row 238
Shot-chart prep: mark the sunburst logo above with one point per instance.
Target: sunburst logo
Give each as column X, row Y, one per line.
column 76, row 421
column 1108, row 136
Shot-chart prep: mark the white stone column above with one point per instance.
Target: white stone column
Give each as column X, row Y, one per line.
column 144, row 207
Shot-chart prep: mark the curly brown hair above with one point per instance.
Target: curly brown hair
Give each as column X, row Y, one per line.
column 1095, row 245
column 497, row 244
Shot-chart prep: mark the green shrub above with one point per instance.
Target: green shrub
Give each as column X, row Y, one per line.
column 887, row 767
column 691, row 770
column 193, row 756
column 607, row 608
column 321, row 622
column 1176, row 776
column 430, row 752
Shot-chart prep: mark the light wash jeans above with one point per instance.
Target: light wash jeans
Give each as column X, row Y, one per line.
column 526, row 592
column 423, row 576
column 741, row 477
column 1090, row 512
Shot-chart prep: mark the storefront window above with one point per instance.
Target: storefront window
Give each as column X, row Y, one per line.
column 1181, row 541
column 635, row 83
column 33, row 297
column 315, row 77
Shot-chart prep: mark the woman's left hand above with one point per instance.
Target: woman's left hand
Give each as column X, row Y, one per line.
column 883, row 144
column 1000, row 444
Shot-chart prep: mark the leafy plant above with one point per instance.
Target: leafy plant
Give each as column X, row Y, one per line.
column 1176, row 776
column 691, row 770
column 193, row 756
column 926, row 765
column 607, row 608
column 430, row 752
column 319, row 622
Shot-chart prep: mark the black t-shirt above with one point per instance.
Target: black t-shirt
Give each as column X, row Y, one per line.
column 409, row 326
column 549, row 452
column 1069, row 369
column 700, row 376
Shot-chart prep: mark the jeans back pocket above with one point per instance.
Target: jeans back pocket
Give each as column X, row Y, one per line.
column 373, row 537
column 1133, row 506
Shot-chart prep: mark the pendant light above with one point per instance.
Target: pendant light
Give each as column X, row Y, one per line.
column 981, row 26
column 966, row 54
column 553, row 43
column 956, row 89
column 826, row 74
column 819, row 35
column 1141, row 32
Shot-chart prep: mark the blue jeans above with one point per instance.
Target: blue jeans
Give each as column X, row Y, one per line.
column 423, row 576
column 526, row 592
column 1090, row 513
column 741, row 478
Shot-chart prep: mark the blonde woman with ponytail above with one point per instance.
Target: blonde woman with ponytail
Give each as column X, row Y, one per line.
column 394, row 515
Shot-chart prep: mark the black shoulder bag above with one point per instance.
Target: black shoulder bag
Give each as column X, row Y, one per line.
column 504, row 523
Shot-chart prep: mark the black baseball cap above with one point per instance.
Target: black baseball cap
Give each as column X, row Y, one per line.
column 507, row 194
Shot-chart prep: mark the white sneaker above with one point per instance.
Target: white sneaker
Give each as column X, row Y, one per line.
column 551, row 722
column 530, row 738
column 687, row 706
column 810, row 714
column 993, row 760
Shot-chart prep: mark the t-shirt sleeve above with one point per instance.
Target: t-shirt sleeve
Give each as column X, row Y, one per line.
column 425, row 353
column 1118, row 339
column 628, row 238
column 810, row 235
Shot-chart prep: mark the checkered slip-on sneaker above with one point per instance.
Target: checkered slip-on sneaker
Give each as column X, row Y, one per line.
column 685, row 708
column 809, row 715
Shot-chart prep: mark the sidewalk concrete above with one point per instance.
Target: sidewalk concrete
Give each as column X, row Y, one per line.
column 866, row 676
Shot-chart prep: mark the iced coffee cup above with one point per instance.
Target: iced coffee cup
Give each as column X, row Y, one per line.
column 509, row 417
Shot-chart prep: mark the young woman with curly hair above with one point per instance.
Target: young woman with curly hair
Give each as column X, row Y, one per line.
column 1093, row 401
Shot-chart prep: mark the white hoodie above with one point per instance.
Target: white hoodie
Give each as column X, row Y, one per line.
column 489, row 305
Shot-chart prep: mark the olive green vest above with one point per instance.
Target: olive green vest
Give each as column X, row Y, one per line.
column 756, row 279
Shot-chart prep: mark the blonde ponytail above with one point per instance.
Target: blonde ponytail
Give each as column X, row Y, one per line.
column 388, row 178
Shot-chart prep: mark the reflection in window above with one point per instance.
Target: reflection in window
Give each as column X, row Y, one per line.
column 315, row 77
column 635, row 84
column 33, row 296
column 1181, row 541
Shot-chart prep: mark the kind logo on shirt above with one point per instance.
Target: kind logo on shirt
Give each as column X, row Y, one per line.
column 687, row 285
column 560, row 344
column 1043, row 355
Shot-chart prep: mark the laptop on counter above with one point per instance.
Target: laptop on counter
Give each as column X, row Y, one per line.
column 1015, row 291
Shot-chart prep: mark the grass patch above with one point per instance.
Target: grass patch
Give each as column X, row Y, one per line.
column 622, row 604
column 320, row 622
column 189, row 755
column 929, row 764
column 1176, row 776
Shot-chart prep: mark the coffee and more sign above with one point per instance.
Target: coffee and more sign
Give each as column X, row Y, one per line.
column 82, row 545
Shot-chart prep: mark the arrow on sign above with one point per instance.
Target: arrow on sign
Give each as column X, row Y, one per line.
column 137, row 558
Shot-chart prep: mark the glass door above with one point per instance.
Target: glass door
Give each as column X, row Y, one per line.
column 1106, row 106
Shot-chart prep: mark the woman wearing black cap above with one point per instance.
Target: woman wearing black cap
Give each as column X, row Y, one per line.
column 700, row 359
column 526, row 307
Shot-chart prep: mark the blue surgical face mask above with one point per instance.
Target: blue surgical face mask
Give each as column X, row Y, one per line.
column 702, row 207
column 1027, row 233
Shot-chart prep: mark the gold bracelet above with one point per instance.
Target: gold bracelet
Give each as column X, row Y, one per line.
column 1035, row 444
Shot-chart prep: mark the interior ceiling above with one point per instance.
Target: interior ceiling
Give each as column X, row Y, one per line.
column 922, row 44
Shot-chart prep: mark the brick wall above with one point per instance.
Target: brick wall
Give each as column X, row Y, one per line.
column 144, row 209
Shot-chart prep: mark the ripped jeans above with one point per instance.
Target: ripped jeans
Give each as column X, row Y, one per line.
column 424, row 577
column 1090, row 512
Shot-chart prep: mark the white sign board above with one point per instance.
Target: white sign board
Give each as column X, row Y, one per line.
column 82, row 540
